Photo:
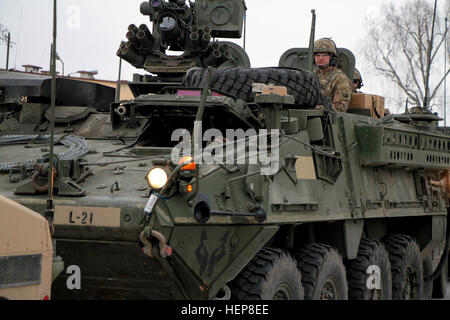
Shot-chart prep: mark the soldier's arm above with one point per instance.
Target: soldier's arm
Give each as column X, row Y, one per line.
column 342, row 94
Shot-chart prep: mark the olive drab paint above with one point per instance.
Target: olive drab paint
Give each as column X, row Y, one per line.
column 207, row 228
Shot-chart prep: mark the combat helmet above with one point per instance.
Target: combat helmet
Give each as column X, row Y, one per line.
column 358, row 79
column 326, row 45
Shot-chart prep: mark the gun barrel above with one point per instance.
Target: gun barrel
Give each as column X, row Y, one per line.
column 206, row 38
column 131, row 56
column 119, row 53
column 131, row 36
column 132, row 27
column 143, row 27
column 212, row 58
column 207, row 29
column 215, row 46
column 195, row 39
column 194, row 28
column 130, row 44
column 194, row 36
column 145, row 41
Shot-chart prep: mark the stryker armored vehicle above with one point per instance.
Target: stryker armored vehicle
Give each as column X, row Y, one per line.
column 226, row 182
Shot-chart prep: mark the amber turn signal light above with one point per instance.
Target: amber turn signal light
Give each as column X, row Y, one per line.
column 190, row 166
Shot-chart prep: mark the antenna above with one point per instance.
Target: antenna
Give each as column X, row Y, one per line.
column 49, row 212
column 426, row 101
column 445, row 73
column 118, row 81
column 311, row 41
column 245, row 29
column 7, row 51
column 18, row 37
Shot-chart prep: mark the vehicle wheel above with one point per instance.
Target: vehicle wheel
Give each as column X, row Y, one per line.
column 301, row 84
column 440, row 284
column 406, row 267
column 427, row 265
column 323, row 272
column 371, row 255
column 271, row 275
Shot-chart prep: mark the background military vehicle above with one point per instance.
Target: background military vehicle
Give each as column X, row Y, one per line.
column 355, row 200
column 27, row 264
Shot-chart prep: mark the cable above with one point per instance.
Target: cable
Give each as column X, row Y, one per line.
column 318, row 150
column 77, row 148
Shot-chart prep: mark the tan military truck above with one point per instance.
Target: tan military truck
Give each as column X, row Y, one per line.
column 26, row 254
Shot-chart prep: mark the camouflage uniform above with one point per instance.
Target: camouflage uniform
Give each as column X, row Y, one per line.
column 334, row 83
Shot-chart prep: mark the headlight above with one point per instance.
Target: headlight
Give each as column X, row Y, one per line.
column 157, row 178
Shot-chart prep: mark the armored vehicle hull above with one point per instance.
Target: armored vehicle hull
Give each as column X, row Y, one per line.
column 345, row 183
column 232, row 182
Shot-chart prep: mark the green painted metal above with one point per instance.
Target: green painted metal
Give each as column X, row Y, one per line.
column 405, row 147
column 341, row 176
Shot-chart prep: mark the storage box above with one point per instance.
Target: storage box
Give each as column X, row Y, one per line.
column 224, row 17
column 374, row 103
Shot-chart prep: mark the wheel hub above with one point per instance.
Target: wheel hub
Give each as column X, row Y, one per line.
column 329, row 290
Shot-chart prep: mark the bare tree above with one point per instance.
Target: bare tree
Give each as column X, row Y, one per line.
column 400, row 46
column 3, row 33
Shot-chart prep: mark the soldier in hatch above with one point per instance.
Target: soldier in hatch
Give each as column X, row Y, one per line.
column 357, row 82
column 334, row 82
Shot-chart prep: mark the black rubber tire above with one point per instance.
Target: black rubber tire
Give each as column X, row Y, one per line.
column 370, row 253
column 404, row 255
column 271, row 274
column 440, row 283
column 321, row 265
column 237, row 82
column 427, row 264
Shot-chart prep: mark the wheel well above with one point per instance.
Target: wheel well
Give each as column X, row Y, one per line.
column 345, row 237
column 339, row 234
column 421, row 228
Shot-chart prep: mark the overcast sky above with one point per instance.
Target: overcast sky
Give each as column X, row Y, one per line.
column 90, row 32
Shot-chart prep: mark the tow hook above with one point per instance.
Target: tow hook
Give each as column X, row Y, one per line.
column 164, row 249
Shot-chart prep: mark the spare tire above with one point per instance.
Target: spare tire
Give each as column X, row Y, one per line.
column 237, row 82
